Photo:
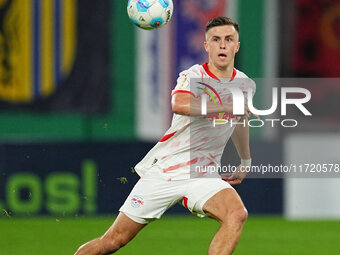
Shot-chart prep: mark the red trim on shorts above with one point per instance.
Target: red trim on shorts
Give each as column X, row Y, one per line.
column 167, row 137
column 183, row 91
column 185, row 202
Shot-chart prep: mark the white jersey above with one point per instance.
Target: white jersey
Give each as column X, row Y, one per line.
column 195, row 142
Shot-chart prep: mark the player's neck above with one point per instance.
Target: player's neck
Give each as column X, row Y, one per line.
column 222, row 73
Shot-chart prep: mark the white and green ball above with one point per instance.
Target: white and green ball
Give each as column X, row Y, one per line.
column 150, row 14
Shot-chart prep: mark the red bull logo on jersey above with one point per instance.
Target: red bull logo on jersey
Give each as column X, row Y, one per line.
column 137, row 201
column 222, row 119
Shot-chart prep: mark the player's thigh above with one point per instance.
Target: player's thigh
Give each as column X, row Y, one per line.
column 122, row 230
column 200, row 190
column 224, row 204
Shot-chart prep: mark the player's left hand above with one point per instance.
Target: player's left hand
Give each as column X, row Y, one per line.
column 236, row 177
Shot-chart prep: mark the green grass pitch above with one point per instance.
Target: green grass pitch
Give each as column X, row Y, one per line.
column 175, row 235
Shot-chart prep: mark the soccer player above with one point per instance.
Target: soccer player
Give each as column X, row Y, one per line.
column 196, row 139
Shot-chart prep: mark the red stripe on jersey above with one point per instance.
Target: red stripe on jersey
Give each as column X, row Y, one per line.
column 175, row 167
column 183, row 91
column 167, row 137
column 202, row 74
column 185, row 202
column 234, row 74
column 206, row 69
column 211, row 163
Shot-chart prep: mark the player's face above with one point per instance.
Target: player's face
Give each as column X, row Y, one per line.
column 222, row 44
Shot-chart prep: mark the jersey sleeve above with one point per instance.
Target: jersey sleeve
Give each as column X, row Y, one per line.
column 183, row 84
column 250, row 88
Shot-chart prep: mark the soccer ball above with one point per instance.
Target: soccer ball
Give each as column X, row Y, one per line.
column 150, row 14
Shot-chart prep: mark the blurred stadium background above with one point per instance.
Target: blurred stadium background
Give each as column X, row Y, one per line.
column 84, row 95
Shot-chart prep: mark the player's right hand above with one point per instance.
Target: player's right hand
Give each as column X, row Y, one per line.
column 248, row 113
column 236, row 177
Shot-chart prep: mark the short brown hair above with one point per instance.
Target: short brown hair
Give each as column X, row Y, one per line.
column 222, row 21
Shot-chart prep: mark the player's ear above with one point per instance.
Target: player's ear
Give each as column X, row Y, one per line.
column 238, row 47
column 206, row 46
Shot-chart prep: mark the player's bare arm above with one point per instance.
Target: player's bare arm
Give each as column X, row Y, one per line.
column 186, row 104
column 240, row 138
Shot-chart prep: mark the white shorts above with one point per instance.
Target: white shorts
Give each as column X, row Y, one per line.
column 150, row 198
